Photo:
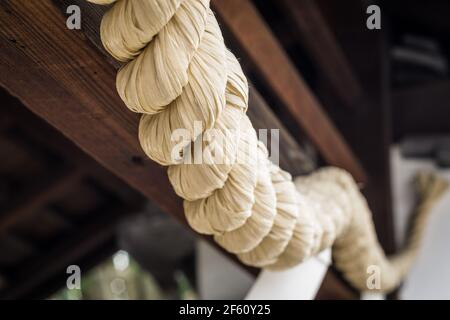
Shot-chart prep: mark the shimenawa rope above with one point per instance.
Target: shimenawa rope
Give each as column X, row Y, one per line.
column 178, row 73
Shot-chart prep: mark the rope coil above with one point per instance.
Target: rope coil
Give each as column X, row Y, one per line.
column 177, row 72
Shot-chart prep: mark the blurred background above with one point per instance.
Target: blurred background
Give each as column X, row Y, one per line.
column 75, row 189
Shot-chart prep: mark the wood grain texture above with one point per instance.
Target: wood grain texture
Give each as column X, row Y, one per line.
column 64, row 77
column 59, row 75
column 369, row 128
column 37, row 195
column 292, row 157
column 323, row 46
column 266, row 53
column 77, row 245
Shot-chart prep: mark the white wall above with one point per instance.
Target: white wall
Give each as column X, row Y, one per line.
column 218, row 277
column 430, row 276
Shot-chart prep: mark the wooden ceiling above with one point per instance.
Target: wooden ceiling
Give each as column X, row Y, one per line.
column 58, row 206
column 317, row 74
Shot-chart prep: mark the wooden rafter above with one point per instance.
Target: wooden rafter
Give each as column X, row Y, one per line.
column 71, row 250
column 369, row 130
column 324, row 48
column 62, row 76
column 38, row 195
column 39, row 133
column 272, row 62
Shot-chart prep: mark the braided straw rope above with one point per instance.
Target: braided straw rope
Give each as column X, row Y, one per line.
column 177, row 72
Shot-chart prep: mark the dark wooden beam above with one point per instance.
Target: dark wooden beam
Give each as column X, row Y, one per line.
column 5, row 122
column 421, row 109
column 333, row 288
column 421, row 16
column 60, row 75
column 291, row 157
column 42, row 134
column 63, row 76
column 70, row 251
column 272, row 62
column 369, row 129
column 38, row 195
column 324, row 48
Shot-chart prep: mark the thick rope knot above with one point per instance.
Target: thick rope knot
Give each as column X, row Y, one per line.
column 193, row 96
